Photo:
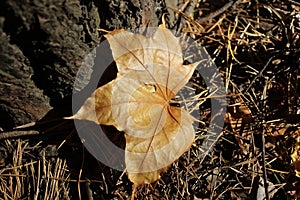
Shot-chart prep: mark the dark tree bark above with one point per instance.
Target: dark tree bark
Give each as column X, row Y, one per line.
column 20, row 101
column 42, row 45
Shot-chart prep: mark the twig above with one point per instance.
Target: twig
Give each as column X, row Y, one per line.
column 219, row 11
column 14, row 134
column 266, row 186
column 30, row 129
column 208, row 17
column 259, row 74
column 294, row 2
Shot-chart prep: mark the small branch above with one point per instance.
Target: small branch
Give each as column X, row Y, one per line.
column 14, row 134
column 265, row 177
column 31, row 128
column 260, row 74
column 264, row 163
column 219, row 11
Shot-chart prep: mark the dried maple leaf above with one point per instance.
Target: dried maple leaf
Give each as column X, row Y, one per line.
column 138, row 102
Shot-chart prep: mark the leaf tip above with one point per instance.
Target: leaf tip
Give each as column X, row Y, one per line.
column 71, row 117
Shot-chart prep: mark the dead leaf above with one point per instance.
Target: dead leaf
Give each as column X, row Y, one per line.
column 238, row 117
column 296, row 154
column 138, row 102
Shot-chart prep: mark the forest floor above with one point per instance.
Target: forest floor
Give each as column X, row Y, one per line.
column 256, row 47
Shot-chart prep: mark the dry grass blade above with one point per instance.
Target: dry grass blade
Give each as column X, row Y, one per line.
column 44, row 178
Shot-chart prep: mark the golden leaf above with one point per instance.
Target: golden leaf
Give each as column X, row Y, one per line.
column 150, row 73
